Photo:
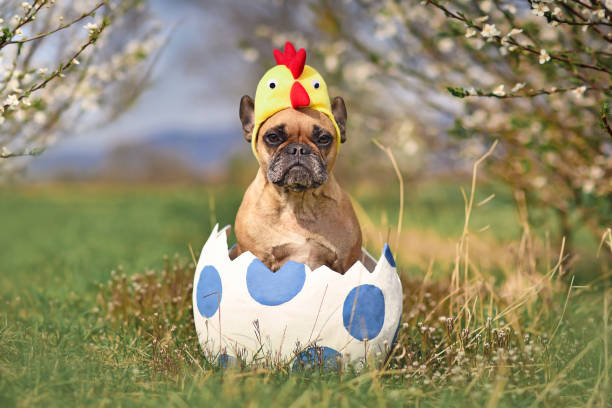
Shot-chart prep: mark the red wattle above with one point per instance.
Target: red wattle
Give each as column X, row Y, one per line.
column 299, row 96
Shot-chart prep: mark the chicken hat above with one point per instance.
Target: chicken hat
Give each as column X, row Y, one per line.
column 290, row 84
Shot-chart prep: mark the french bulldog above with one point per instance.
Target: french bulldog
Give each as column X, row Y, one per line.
column 295, row 209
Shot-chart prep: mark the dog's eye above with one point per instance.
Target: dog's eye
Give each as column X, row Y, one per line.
column 272, row 139
column 324, row 140
column 272, row 83
column 316, row 84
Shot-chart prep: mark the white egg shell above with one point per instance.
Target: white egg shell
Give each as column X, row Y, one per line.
column 242, row 309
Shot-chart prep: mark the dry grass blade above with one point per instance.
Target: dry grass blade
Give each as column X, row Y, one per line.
column 398, row 173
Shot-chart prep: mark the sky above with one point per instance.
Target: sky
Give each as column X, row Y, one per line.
column 197, row 83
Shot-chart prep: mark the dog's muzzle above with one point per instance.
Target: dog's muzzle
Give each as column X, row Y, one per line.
column 297, row 166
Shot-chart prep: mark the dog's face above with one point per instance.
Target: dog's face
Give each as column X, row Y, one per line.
column 297, row 147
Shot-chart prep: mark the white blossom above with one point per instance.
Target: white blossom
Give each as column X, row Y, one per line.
column 250, row 54
column 588, row 186
column 15, row 20
column 510, row 8
column 489, row 31
column 580, row 91
column 544, row 57
column 514, row 31
column 91, row 27
column 470, row 32
column 11, row 100
column 539, row 9
column 499, row 90
column 517, row 87
column 446, row 45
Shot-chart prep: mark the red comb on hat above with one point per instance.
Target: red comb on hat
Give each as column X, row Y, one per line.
column 291, row 59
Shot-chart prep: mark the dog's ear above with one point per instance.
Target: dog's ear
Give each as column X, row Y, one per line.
column 247, row 116
column 339, row 112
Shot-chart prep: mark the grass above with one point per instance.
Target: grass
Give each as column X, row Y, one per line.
column 494, row 321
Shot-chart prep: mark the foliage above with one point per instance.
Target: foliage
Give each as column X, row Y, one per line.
column 65, row 66
column 534, row 74
column 129, row 340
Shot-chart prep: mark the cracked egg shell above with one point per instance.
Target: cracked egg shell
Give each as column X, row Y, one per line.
column 242, row 309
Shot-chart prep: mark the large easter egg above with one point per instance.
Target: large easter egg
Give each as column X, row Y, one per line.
column 295, row 315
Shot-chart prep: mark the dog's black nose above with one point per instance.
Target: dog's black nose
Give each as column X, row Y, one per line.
column 298, row 149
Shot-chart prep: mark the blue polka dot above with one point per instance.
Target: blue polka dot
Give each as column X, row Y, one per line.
column 275, row 288
column 364, row 312
column 209, row 291
column 317, row 357
column 389, row 255
column 225, row 360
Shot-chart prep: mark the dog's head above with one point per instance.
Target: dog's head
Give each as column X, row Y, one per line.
column 296, row 147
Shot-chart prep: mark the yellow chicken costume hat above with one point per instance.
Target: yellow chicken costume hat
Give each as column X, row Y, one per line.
column 290, row 84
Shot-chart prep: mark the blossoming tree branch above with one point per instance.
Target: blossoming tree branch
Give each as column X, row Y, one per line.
column 67, row 65
column 450, row 77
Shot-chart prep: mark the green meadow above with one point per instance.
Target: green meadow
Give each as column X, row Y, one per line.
column 519, row 324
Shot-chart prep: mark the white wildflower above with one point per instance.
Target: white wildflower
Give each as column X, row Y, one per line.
column 499, row 90
column 471, row 91
column 544, row 57
column 596, row 172
column 5, row 150
column 557, row 12
column 26, row 102
column 470, row 32
column 517, row 87
column 490, row 31
column 539, row 182
column 42, row 71
column 26, row 5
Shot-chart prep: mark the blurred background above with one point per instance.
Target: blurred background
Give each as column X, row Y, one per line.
column 168, row 126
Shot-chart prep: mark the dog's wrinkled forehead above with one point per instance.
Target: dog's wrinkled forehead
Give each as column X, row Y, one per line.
column 298, row 123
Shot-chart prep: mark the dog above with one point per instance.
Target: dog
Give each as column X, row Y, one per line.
column 295, row 209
